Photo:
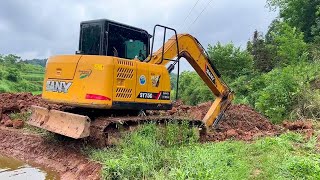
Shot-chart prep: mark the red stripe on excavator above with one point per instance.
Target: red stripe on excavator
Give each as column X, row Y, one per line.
column 158, row 96
column 97, row 97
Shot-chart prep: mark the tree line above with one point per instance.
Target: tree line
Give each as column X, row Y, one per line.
column 277, row 73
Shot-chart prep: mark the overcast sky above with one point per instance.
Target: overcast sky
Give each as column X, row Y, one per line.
column 38, row 29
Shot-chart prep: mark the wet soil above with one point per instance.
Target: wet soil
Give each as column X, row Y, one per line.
column 65, row 158
column 11, row 168
column 20, row 102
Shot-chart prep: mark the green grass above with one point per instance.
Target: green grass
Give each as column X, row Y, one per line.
column 36, row 92
column 166, row 153
column 33, row 77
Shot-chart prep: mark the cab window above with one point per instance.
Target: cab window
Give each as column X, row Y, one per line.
column 127, row 43
column 90, row 39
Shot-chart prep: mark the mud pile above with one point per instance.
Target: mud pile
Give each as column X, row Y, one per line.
column 240, row 122
column 243, row 123
column 19, row 102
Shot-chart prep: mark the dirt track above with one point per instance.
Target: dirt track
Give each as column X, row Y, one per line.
column 64, row 158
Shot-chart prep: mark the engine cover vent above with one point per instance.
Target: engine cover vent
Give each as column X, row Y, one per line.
column 124, row 93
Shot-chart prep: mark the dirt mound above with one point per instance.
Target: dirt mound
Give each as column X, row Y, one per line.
column 302, row 126
column 240, row 121
column 20, row 102
column 63, row 157
column 243, row 123
column 297, row 125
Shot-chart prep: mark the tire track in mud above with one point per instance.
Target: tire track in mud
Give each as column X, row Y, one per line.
column 64, row 158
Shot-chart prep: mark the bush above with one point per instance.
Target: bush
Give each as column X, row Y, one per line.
column 26, row 86
column 308, row 105
column 4, row 87
column 231, row 61
column 2, row 73
column 192, row 90
column 280, row 92
column 13, row 75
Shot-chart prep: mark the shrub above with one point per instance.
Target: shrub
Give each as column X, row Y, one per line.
column 27, row 86
column 279, row 96
column 308, row 105
column 192, row 90
column 285, row 88
column 231, row 61
column 4, row 87
column 13, row 75
column 2, row 73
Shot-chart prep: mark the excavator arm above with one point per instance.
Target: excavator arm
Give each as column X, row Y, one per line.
column 188, row 47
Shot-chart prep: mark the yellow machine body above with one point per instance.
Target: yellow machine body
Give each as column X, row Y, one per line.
column 106, row 82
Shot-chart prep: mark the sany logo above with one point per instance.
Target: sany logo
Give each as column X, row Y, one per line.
column 210, row 74
column 58, row 86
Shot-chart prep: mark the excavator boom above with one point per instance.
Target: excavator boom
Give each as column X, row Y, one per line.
column 189, row 48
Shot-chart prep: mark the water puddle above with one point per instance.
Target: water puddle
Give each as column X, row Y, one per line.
column 13, row 169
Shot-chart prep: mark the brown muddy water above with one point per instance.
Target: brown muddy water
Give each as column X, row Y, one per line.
column 13, row 169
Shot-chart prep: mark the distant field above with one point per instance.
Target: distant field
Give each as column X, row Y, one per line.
column 16, row 76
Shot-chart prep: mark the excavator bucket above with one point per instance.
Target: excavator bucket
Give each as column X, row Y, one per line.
column 64, row 123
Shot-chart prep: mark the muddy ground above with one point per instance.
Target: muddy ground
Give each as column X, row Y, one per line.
column 241, row 122
column 65, row 158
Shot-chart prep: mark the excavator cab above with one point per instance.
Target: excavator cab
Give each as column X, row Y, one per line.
column 108, row 38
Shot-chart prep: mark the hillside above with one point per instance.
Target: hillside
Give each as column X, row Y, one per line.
column 20, row 76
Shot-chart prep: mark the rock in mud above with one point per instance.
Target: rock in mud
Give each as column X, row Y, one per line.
column 18, row 124
column 173, row 111
column 232, row 133
column 8, row 123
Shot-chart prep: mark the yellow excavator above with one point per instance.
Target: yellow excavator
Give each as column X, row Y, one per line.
column 116, row 70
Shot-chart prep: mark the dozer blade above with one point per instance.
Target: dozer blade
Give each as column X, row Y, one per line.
column 68, row 124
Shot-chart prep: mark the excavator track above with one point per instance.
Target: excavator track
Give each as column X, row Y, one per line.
column 106, row 131
column 100, row 128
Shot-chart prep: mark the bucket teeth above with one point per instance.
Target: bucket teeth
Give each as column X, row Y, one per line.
column 64, row 123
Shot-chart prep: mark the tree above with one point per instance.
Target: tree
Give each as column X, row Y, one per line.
column 288, row 44
column 173, row 81
column 13, row 75
column 262, row 55
column 231, row 61
column 11, row 59
column 303, row 14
